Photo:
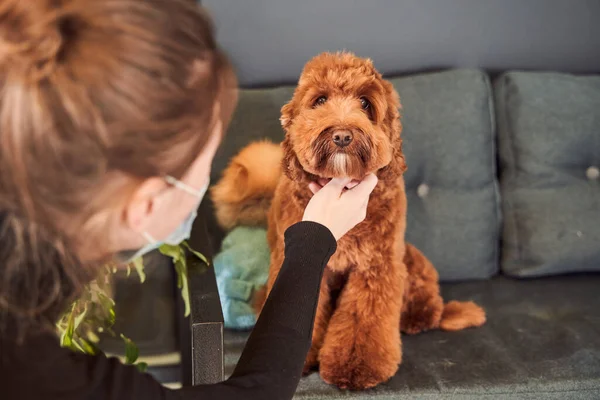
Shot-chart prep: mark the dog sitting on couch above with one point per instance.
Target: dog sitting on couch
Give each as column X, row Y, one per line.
column 344, row 121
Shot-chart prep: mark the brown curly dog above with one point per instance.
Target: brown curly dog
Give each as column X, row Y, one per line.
column 344, row 120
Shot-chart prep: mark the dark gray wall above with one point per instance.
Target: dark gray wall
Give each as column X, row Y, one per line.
column 270, row 40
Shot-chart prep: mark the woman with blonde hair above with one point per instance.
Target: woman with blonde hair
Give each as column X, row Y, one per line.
column 110, row 114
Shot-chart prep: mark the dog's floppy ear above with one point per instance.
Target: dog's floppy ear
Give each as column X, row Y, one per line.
column 291, row 166
column 290, row 163
column 287, row 114
column 392, row 121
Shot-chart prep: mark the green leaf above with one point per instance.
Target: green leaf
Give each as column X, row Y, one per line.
column 131, row 350
column 138, row 263
column 92, row 337
column 141, row 366
column 108, row 305
column 180, row 269
column 105, row 301
column 66, row 339
column 185, row 295
column 178, row 255
column 79, row 319
column 197, row 254
column 88, row 347
column 182, row 283
column 175, row 252
column 112, row 317
column 76, row 346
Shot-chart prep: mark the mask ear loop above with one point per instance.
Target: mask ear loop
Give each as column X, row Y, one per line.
column 149, row 238
column 182, row 186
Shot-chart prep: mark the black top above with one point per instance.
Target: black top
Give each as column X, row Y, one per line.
column 269, row 368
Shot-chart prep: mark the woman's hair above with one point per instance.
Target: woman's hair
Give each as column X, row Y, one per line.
column 95, row 97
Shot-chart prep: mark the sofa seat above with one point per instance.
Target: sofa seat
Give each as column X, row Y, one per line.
column 541, row 341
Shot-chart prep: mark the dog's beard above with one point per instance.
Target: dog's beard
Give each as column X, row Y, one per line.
column 340, row 164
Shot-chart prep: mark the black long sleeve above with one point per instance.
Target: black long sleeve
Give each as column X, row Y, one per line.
column 270, row 366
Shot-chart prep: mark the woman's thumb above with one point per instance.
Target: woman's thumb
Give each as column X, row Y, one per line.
column 366, row 186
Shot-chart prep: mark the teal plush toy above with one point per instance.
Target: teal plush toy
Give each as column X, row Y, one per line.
column 242, row 268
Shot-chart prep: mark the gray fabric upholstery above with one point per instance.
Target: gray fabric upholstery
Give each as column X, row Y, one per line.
column 449, row 147
column 540, row 342
column 453, row 204
column 256, row 117
column 270, row 40
column 549, row 142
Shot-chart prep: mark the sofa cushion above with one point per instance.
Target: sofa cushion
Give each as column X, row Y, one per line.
column 256, row 117
column 449, row 146
column 540, row 341
column 549, row 142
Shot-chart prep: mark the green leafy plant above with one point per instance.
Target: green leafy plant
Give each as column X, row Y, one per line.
column 94, row 312
column 177, row 254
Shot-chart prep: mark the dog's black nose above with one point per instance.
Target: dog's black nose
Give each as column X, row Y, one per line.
column 342, row 138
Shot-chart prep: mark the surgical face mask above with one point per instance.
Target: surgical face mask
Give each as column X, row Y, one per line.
column 182, row 232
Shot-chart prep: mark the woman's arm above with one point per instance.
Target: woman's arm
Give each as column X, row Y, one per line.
column 271, row 363
column 270, row 366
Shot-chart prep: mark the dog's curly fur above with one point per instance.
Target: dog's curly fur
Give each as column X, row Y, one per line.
column 375, row 285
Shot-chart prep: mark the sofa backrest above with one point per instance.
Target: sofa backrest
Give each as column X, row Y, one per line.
column 270, row 40
column 449, row 118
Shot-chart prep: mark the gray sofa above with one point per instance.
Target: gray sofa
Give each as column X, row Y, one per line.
column 502, row 180
column 487, row 227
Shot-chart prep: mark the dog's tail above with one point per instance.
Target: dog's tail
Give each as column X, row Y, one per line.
column 460, row 315
column 243, row 194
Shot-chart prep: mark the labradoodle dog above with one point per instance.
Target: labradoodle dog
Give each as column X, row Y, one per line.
column 344, row 121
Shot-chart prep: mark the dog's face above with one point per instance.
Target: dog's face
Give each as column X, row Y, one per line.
column 343, row 120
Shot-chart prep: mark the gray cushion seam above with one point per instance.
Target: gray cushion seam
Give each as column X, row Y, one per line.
column 513, row 170
column 492, row 127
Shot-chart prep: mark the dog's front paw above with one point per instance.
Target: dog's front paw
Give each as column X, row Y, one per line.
column 311, row 363
column 359, row 374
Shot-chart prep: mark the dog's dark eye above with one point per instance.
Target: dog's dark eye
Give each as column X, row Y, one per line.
column 364, row 103
column 320, row 101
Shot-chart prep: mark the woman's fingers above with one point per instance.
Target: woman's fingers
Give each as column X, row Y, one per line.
column 339, row 212
column 338, row 183
column 352, row 184
column 314, row 187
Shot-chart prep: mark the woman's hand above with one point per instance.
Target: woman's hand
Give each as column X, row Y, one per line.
column 341, row 204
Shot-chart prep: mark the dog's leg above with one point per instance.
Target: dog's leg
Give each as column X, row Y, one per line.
column 423, row 304
column 424, row 308
column 362, row 346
